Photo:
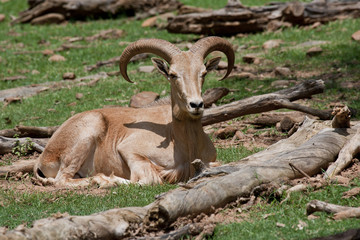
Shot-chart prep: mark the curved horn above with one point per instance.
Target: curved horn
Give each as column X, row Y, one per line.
column 209, row 44
column 162, row 48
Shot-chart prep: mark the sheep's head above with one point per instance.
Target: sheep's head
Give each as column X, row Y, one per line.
column 185, row 70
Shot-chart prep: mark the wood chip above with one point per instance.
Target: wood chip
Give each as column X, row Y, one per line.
column 14, row 78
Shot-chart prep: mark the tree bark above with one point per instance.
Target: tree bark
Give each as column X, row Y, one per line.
column 236, row 18
column 83, row 9
column 268, row 102
column 347, row 153
column 341, row 212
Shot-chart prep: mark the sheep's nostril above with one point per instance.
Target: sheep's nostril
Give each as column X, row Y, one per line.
column 196, row 105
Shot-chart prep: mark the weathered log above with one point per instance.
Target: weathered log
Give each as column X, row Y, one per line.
column 341, row 212
column 268, row 102
column 8, row 145
column 83, row 9
column 347, row 153
column 271, row 118
column 236, row 18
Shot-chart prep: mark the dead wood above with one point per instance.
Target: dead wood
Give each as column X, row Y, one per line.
column 8, row 145
column 271, row 118
column 83, row 9
column 341, row 212
column 347, row 153
column 29, row 131
column 268, row 102
column 212, row 95
column 236, row 18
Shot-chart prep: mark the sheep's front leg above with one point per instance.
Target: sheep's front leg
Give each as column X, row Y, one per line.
column 142, row 170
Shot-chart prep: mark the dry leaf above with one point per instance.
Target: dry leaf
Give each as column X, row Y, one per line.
column 280, row 224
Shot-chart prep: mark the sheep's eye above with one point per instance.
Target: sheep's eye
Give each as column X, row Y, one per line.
column 172, row 76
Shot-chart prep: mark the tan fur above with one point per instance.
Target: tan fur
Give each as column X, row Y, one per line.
column 146, row 146
column 121, row 145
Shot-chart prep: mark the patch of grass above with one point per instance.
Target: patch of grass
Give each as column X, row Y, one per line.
column 227, row 155
column 291, row 213
column 18, row 208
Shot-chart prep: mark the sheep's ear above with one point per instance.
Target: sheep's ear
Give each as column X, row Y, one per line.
column 161, row 66
column 212, row 63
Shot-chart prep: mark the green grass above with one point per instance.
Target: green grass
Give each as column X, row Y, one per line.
column 290, row 213
column 341, row 55
column 18, row 208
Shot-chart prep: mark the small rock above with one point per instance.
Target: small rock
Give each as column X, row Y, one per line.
column 274, row 43
column 222, row 65
column 47, row 52
column 146, row 69
column 57, row 58
column 356, row 36
column 314, row 51
column 282, row 71
column 79, row 96
column 243, row 75
column 250, row 58
column 224, row 133
column 69, row 76
column 2, row 17
column 35, row 72
column 51, row 18
column 143, row 99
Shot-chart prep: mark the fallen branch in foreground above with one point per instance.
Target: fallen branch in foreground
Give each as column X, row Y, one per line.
column 340, row 212
column 309, row 149
column 347, row 153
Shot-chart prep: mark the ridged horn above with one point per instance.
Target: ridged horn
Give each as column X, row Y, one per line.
column 162, row 48
column 209, row 44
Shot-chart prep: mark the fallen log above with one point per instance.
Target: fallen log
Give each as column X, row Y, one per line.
column 21, row 145
column 268, row 102
column 340, row 212
column 84, row 9
column 235, row 18
column 347, row 153
column 216, row 188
